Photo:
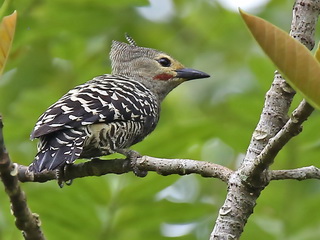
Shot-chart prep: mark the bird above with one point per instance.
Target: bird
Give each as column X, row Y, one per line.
column 111, row 112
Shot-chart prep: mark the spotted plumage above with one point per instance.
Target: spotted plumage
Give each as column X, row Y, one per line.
column 110, row 112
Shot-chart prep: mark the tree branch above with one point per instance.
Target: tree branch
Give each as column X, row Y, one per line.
column 184, row 167
column 98, row 167
column 26, row 221
column 271, row 134
column 275, row 144
column 300, row 174
column 94, row 167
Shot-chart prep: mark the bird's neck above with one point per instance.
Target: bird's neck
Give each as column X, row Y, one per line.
column 159, row 88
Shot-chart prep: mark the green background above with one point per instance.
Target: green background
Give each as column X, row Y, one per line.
column 60, row 44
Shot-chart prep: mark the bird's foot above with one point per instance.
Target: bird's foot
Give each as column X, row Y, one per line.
column 61, row 175
column 133, row 157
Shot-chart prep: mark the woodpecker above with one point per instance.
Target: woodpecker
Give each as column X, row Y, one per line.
column 111, row 112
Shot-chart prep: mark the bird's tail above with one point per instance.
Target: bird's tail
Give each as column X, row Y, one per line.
column 57, row 149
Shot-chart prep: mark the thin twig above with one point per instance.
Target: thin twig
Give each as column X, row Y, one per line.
column 310, row 172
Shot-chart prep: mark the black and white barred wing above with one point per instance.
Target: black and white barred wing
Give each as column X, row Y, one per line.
column 105, row 99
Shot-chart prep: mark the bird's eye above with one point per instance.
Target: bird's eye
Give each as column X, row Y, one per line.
column 164, row 62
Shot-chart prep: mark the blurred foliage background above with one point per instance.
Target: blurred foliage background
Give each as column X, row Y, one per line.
column 60, row 44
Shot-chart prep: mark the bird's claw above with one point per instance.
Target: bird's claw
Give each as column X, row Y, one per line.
column 133, row 157
column 61, row 175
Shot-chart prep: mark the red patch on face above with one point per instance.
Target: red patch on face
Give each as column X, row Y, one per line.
column 163, row 76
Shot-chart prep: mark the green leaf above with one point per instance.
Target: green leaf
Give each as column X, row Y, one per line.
column 293, row 59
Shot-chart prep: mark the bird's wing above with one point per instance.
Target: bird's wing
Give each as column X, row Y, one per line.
column 104, row 99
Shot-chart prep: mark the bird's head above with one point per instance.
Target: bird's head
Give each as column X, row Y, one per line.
column 155, row 69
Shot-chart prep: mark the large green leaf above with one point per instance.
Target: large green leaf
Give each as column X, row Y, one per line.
column 294, row 60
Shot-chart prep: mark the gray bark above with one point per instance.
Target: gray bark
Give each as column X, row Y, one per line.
column 273, row 131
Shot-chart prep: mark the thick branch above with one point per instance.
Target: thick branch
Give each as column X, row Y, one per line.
column 273, row 117
column 279, row 97
column 275, row 144
column 246, row 184
column 26, row 221
column 118, row 166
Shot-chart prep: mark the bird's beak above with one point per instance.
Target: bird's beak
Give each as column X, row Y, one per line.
column 189, row 74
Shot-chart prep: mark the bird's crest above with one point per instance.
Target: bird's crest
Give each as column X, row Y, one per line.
column 130, row 40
